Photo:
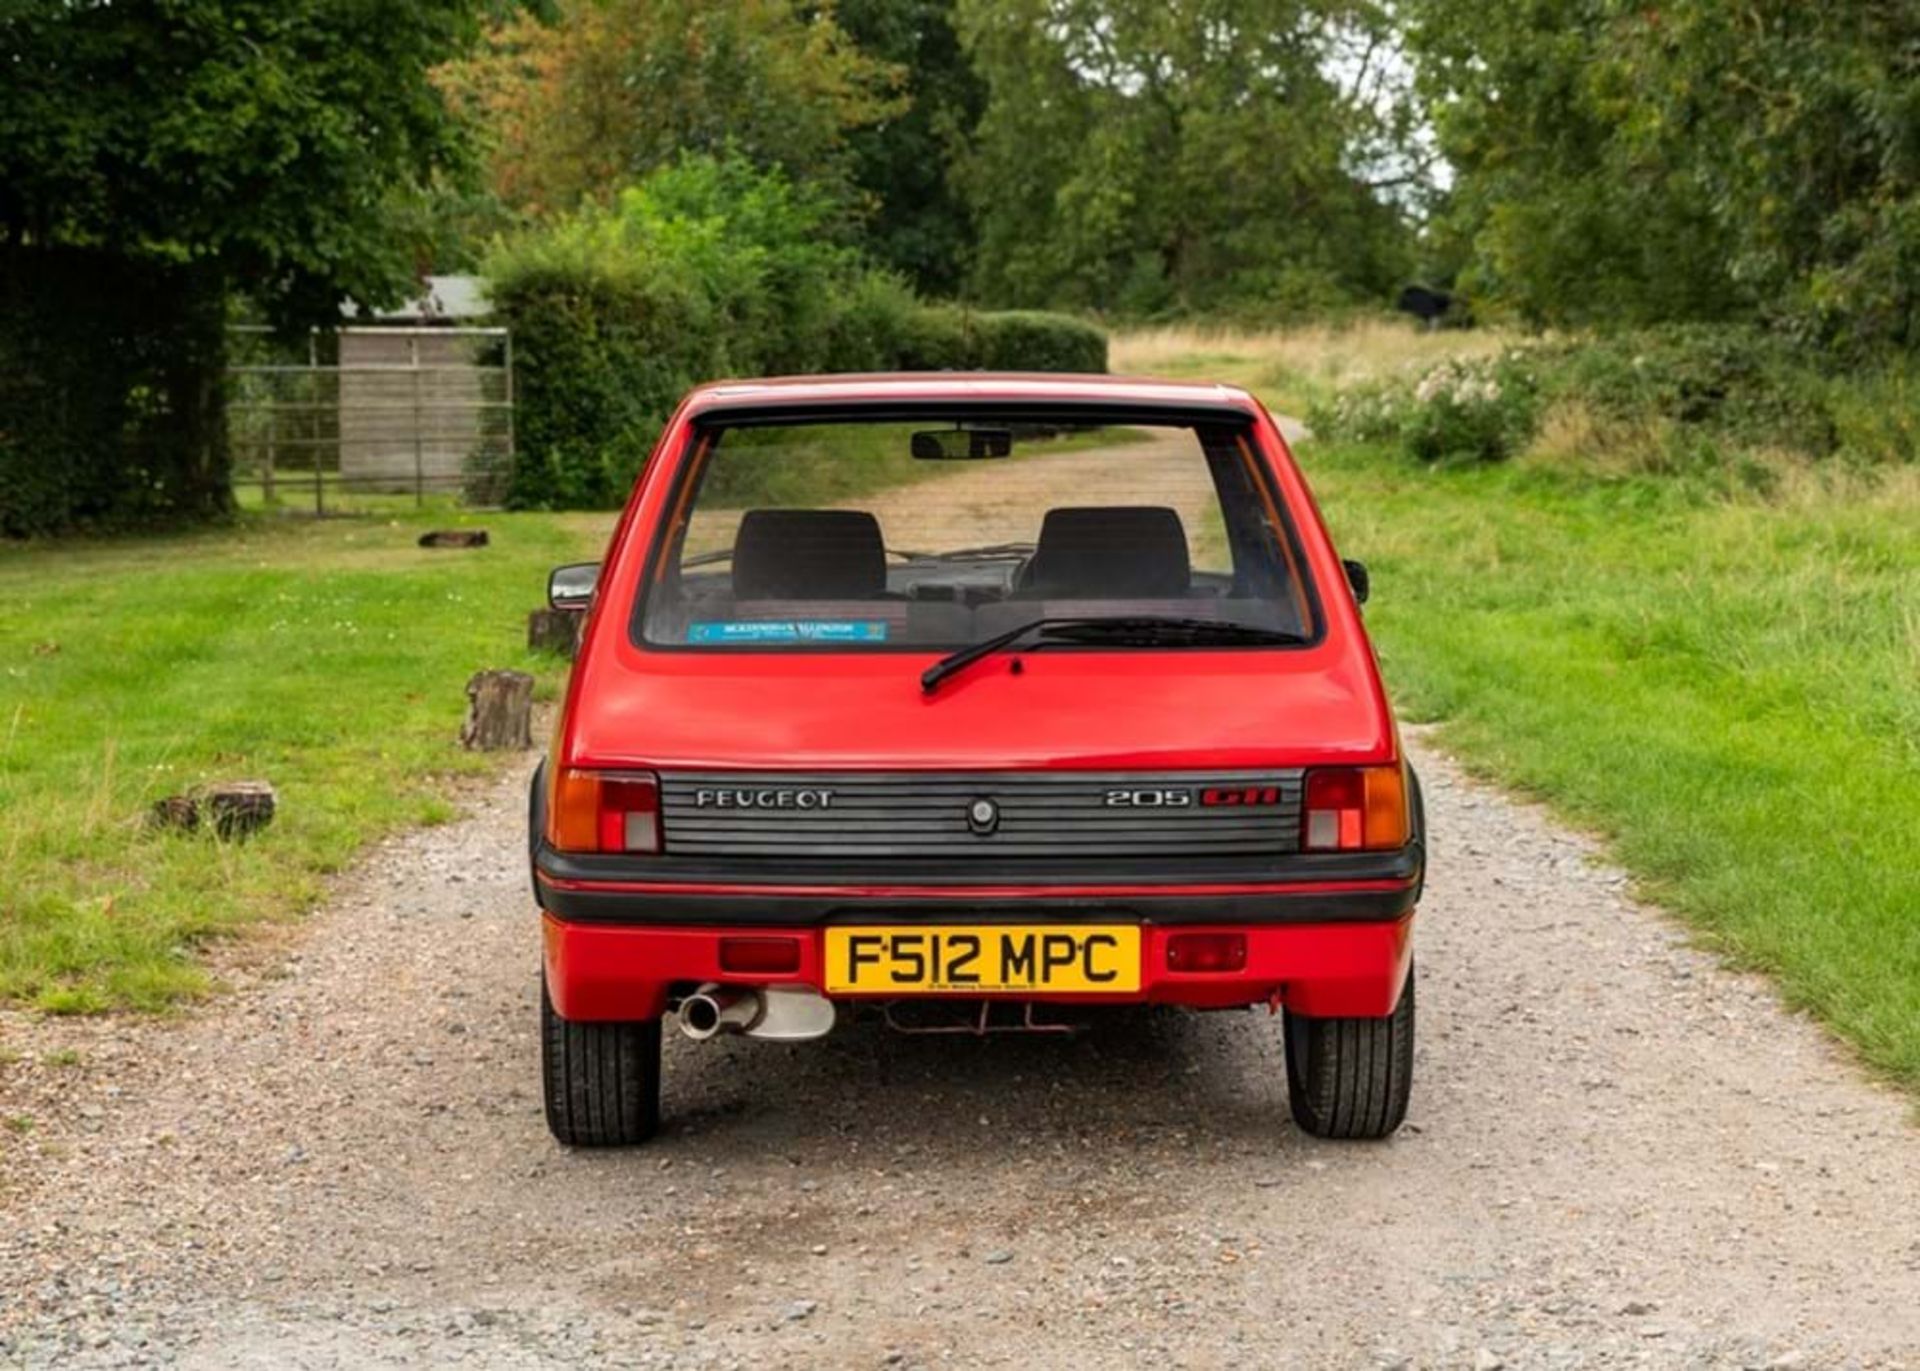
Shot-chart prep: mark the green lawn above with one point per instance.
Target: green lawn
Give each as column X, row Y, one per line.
column 326, row 656
column 1729, row 691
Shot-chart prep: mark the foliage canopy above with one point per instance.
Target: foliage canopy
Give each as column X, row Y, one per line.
column 1148, row 155
column 266, row 138
column 156, row 156
column 1625, row 163
column 916, row 220
column 610, row 90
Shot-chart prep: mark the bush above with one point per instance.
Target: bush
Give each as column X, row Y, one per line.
column 1370, row 412
column 1471, row 411
column 935, row 338
column 1025, row 340
column 1739, row 384
column 1694, row 399
column 1876, row 415
column 1680, row 401
column 949, row 338
column 707, row 269
column 1482, row 410
column 599, row 358
column 876, row 313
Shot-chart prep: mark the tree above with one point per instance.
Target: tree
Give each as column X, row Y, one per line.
column 917, row 222
column 155, row 154
column 264, row 138
column 609, row 90
column 1618, row 161
column 1179, row 154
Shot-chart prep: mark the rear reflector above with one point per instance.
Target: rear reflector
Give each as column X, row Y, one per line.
column 762, row 956
column 1207, row 952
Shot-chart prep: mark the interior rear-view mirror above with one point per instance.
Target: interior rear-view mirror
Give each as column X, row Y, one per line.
column 962, row 444
column 1358, row 578
column 572, row 586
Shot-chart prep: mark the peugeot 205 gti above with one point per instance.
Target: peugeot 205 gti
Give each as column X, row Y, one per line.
column 973, row 702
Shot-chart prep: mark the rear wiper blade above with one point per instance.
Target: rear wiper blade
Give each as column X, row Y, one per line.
column 1168, row 629
column 1138, row 630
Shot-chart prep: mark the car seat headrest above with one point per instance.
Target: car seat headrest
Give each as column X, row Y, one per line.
column 1110, row 552
column 808, row 554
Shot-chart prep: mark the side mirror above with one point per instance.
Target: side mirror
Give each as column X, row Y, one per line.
column 1358, row 578
column 572, row 586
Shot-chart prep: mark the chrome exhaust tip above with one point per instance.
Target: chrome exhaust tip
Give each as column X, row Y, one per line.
column 785, row 1013
column 712, row 1010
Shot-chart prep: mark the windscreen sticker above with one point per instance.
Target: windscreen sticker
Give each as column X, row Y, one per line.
column 788, row 631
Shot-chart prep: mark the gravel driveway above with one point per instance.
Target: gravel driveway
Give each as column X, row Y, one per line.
column 1618, row 1154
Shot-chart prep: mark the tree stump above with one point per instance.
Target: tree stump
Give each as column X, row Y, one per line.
column 555, row 630
column 454, row 537
column 234, row 809
column 499, row 712
column 180, row 812
column 239, row 808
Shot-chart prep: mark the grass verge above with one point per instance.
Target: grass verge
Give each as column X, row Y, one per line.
column 1725, row 688
column 1715, row 663
column 328, row 657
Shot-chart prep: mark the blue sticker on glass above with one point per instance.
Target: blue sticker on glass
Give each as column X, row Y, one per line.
column 788, row 631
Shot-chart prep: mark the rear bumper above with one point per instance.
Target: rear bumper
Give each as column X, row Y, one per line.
column 605, row 971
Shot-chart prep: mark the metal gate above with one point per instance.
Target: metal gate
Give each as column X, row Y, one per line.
column 370, row 415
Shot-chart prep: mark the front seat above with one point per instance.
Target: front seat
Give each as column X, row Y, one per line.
column 1110, row 552
column 809, row 554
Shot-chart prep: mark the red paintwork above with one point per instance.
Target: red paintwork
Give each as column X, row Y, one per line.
column 628, row 707
column 603, row 972
column 1084, row 709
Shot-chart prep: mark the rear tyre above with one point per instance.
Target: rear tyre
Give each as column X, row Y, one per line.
column 601, row 1080
column 1351, row 1078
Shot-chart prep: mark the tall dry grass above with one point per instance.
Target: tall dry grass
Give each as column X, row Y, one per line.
column 1293, row 367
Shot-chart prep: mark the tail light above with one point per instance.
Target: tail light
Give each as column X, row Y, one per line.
column 591, row 811
column 1359, row 808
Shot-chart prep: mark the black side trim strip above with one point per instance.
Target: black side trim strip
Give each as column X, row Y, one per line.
column 645, row 907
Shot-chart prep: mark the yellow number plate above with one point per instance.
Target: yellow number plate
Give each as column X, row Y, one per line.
column 910, row 959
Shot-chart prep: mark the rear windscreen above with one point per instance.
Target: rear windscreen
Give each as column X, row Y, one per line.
column 936, row 533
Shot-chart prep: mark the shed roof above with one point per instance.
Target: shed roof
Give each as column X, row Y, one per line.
column 446, row 300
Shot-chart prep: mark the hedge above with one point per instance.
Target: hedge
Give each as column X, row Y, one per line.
column 599, row 364
column 712, row 269
column 111, row 395
column 1024, row 340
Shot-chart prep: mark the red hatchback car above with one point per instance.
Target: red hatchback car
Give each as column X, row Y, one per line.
column 972, row 701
